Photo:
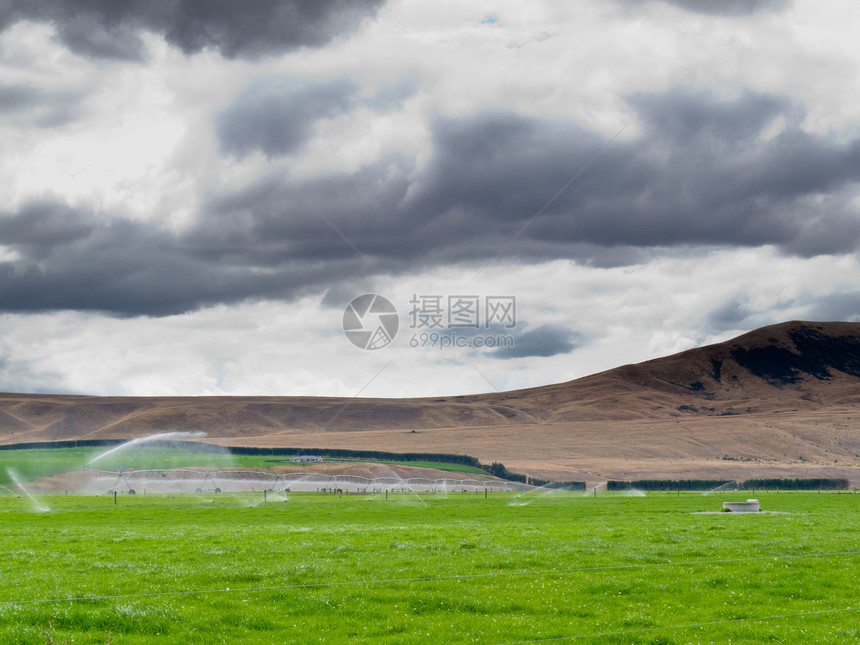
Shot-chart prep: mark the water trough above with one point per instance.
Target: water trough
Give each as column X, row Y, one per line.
column 749, row 506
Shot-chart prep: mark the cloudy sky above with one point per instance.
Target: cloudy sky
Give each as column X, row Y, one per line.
column 191, row 193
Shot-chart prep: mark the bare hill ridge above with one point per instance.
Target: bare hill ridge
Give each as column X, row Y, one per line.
column 777, row 401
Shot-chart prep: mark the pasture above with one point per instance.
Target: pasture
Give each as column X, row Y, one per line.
column 32, row 464
column 461, row 568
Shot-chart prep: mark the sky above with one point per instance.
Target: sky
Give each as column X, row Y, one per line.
column 415, row 198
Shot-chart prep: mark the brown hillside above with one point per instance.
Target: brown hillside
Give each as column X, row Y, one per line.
column 779, row 401
column 785, row 367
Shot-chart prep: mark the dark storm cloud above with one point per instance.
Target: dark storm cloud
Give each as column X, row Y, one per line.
column 111, row 29
column 701, row 173
column 730, row 314
column 41, row 227
column 72, row 260
column 837, row 306
column 278, row 115
column 546, row 340
column 718, row 7
column 45, row 109
column 15, row 98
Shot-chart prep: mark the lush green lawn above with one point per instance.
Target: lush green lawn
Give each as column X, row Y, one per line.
column 454, row 468
column 461, row 569
column 269, row 462
column 33, row 464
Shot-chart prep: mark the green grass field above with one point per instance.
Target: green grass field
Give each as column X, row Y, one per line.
column 33, row 464
column 460, row 569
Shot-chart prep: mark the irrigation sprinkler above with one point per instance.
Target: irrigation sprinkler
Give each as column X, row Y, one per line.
column 210, row 477
column 122, row 477
column 178, row 480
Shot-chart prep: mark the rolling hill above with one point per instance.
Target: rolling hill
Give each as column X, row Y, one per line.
column 780, row 401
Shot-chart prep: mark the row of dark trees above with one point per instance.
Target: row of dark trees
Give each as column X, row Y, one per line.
column 380, row 455
column 671, row 484
column 813, row 483
column 376, row 455
column 819, row 483
column 498, row 470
